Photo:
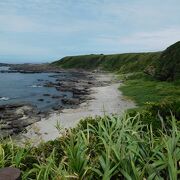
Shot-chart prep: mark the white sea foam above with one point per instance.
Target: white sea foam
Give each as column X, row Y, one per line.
column 36, row 86
column 4, row 98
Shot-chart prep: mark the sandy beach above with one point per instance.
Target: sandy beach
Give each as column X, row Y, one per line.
column 105, row 100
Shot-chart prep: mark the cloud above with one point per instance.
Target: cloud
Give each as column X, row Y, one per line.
column 15, row 48
column 151, row 41
column 23, row 24
column 155, row 39
column 61, row 27
column 16, row 23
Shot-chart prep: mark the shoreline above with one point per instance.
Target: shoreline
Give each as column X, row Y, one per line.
column 94, row 93
column 102, row 99
column 73, row 88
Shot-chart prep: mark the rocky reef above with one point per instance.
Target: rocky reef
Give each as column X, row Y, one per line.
column 14, row 118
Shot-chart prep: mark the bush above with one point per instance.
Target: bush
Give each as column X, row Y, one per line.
column 109, row 147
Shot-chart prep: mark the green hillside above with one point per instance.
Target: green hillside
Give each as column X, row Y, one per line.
column 149, row 76
column 168, row 65
column 163, row 65
column 116, row 62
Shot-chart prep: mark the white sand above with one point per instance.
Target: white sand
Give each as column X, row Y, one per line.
column 107, row 99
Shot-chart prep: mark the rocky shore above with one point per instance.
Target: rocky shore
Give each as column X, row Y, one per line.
column 79, row 84
column 105, row 98
column 30, row 68
column 14, row 118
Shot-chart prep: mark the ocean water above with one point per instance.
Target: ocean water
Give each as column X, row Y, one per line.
column 28, row 88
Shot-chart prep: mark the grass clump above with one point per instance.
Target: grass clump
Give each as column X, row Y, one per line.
column 142, row 88
column 109, row 147
column 155, row 99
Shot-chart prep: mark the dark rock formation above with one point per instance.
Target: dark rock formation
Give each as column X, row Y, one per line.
column 34, row 68
column 14, row 118
column 70, row 101
column 74, row 87
column 150, row 70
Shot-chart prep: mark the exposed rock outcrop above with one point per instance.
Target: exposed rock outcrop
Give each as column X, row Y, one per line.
column 14, row 118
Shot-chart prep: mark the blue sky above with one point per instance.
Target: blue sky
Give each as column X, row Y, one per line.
column 47, row 30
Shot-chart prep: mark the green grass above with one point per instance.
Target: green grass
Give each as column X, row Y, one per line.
column 164, row 66
column 168, row 65
column 116, row 62
column 109, row 147
column 142, row 89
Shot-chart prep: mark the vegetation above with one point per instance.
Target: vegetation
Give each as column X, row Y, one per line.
column 168, row 65
column 118, row 62
column 142, row 88
column 152, row 97
column 161, row 65
column 142, row 144
column 102, row 148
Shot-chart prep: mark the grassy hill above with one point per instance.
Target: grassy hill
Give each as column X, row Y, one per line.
column 139, row 86
column 116, row 62
column 168, row 65
column 163, row 65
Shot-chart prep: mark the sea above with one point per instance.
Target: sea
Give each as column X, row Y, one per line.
column 28, row 89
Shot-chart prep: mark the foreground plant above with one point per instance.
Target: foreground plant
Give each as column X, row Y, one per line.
column 109, row 147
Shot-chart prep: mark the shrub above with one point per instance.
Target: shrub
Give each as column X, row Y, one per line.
column 109, row 147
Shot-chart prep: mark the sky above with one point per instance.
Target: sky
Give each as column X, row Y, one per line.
column 38, row 31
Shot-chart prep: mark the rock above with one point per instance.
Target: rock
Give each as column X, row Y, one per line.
column 34, row 68
column 56, row 108
column 40, row 99
column 25, row 110
column 14, row 118
column 46, row 95
column 76, row 85
column 6, row 133
column 150, row 70
column 70, row 101
column 56, row 97
column 49, row 84
column 10, row 173
column 6, row 127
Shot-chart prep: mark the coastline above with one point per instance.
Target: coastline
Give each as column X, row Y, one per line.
column 102, row 99
column 71, row 88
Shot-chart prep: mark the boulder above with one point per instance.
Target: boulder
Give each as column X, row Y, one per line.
column 70, row 101
column 15, row 118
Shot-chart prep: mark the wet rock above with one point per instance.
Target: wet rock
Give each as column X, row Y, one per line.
column 46, row 95
column 70, row 101
column 56, row 97
column 56, row 108
column 15, row 118
column 50, row 84
column 40, row 99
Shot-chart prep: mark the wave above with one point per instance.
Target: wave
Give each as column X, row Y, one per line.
column 4, row 98
column 36, row 86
